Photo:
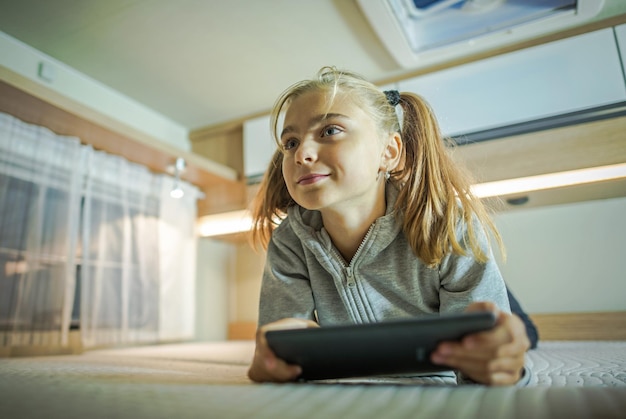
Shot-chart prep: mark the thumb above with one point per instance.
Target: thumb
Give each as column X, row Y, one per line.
column 290, row 323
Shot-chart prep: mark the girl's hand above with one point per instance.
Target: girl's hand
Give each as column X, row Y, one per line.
column 266, row 366
column 494, row 357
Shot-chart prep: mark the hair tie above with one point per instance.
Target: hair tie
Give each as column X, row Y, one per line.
column 393, row 97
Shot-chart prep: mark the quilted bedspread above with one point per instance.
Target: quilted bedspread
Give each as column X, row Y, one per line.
column 208, row 380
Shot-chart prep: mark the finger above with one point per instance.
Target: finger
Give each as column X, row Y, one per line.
column 483, row 341
column 500, row 371
column 274, row 370
column 481, row 345
column 518, row 331
column 481, row 349
column 504, row 378
column 279, row 371
column 483, row 368
column 283, row 324
column 495, row 379
column 516, row 348
column 289, row 323
column 512, row 364
column 493, row 360
column 488, row 355
column 509, row 336
column 495, row 375
column 508, row 328
column 460, row 358
column 266, row 366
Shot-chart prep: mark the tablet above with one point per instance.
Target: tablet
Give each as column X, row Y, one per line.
column 385, row 348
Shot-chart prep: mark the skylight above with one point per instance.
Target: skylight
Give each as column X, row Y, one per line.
column 422, row 31
column 433, row 24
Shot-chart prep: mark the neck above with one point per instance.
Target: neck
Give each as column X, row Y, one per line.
column 347, row 227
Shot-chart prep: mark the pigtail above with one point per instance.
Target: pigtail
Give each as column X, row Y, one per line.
column 435, row 195
column 270, row 203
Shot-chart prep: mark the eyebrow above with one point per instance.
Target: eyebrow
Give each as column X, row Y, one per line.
column 315, row 120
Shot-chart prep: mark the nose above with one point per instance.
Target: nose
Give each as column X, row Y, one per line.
column 306, row 152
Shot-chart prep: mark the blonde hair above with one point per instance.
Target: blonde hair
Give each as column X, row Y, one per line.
column 434, row 191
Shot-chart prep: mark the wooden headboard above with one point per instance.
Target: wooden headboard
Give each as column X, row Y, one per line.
column 610, row 325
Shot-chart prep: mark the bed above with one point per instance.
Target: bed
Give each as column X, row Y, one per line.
column 572, row 379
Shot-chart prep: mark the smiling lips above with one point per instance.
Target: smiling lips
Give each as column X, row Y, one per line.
column 310, row 178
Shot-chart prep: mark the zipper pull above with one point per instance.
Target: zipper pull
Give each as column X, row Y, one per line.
column 350, row 276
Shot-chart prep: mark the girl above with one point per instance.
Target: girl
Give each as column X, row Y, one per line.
column 377, row 223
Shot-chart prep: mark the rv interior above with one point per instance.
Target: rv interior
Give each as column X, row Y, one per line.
column 532, row 92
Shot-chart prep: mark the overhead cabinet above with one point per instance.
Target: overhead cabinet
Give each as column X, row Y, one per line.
column 573, row 74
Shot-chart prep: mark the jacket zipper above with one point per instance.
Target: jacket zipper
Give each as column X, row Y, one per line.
column 349, row 268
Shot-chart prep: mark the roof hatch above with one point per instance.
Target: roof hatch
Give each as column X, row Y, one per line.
column 421, row 32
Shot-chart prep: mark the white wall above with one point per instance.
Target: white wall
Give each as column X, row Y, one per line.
column 567, row 258
column 216, row 262
column 247, row 288
column 227, row 288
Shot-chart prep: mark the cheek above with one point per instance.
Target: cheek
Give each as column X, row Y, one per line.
column 285, row 165
column 368, row 157
column 287, row 170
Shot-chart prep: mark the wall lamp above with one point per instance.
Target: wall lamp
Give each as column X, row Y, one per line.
column 179, row 167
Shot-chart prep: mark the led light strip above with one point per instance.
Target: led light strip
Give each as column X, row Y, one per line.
column 549, row 181
column 225, row 223
column 240, row 221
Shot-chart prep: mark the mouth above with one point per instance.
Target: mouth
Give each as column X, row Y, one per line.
column 311, row 178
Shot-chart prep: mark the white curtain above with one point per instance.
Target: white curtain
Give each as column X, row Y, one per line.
column 40, row 193
column 178, row 249
column 91, row 241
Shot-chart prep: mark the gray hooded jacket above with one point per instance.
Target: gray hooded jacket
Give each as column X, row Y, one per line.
column 305, row 276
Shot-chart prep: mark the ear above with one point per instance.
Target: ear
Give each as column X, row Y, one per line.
column 392, row 152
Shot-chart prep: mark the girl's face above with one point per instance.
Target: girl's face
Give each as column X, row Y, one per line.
column 332, row 155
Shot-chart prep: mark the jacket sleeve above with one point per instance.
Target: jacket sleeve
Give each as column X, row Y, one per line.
column 285, row 288
column 464, row 280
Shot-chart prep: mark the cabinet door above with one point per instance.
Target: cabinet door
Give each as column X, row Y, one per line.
column 564, row 76
column 258, row 146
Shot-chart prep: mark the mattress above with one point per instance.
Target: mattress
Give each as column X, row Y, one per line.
column 564, row 363
column 208, row 380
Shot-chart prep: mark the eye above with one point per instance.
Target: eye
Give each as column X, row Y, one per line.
column 331, row 130
column 289, row 143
